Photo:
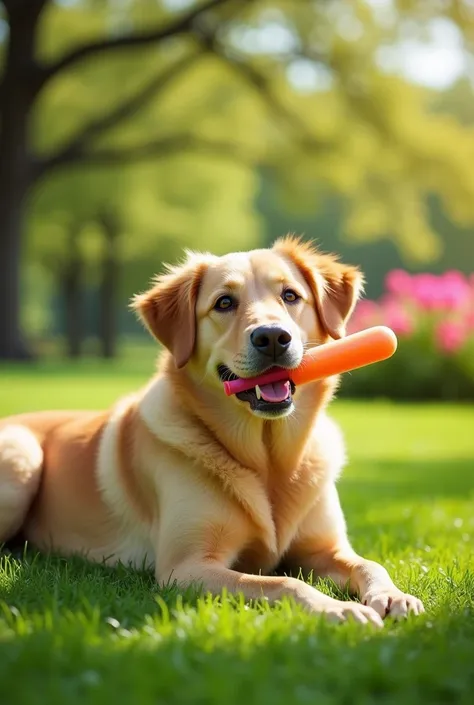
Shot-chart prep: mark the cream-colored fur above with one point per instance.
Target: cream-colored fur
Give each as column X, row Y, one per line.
column 206, row 488
column 21, row 459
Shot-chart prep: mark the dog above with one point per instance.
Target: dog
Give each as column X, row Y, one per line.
column 234, row 493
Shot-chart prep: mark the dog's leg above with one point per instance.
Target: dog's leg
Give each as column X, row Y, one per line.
column 21, row 460
column 214, row 577
column 322, row 547
column 373, row 583
column 199, row 535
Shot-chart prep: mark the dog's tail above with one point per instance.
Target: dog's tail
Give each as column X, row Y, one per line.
column 21, row 463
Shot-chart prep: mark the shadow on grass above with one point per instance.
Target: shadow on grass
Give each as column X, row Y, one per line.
column 398, row 504
column 42, row 583
column 415, row 480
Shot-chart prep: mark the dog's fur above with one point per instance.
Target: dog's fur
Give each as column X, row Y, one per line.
column 195, row 483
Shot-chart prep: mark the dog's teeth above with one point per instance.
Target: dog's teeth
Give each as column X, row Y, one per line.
column 258, row 392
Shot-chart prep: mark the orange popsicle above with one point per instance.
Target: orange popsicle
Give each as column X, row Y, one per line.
column 357, row 350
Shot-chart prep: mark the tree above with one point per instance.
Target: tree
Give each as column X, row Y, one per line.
column 132, row 218
column 25, row 77
column 109, row 267
column 177, row 76
column 71, row 279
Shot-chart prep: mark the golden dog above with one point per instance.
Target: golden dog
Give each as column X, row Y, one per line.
column 206, row 488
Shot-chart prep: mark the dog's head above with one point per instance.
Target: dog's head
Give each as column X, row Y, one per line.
column 244, row 313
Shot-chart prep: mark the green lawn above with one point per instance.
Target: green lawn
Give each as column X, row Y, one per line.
column 71, row 633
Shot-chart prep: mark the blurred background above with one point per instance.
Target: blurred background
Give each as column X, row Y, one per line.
column 133, row 128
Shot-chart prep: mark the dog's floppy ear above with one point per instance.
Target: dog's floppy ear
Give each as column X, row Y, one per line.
column 168, row 309
column 335, row 286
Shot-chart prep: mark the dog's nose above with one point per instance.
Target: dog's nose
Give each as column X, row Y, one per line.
column 272, row 341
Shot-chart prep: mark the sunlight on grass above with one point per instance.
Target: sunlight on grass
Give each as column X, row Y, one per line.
column 74, row 633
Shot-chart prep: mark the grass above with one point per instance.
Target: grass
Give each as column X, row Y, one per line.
column 73, row 633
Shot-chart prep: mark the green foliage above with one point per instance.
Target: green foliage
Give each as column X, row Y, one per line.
column 418, row 371
column 371, row 136
column 359, row 129
column 433, row 317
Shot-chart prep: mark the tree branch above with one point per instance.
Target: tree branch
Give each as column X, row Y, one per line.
column 130, row 40
column 126, row 109
column 261, row 84
column 23, row 7
column 146, row 151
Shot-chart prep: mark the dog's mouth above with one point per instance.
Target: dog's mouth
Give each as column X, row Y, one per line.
column 272, row 399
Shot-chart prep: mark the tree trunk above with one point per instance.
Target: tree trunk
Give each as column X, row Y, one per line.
column 17, row 94
column 12, row 343
column 71, row 282
column 108, row 286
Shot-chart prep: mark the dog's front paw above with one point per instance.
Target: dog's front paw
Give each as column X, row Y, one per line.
column 352, row 611
column 333, row 610
column 392, row 602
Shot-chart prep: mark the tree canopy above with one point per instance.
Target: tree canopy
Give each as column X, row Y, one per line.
column 167, row 111
column 231, row 95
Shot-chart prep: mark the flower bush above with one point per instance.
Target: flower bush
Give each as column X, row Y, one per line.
column 433, row 318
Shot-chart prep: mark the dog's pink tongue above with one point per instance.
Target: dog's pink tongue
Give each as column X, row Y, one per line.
column 275, row 392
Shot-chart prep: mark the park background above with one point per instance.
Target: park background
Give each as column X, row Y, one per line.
column 130, row 129
column 135, row 128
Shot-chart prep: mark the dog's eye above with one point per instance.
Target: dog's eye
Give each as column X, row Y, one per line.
column 224, row 303
column 290, row 296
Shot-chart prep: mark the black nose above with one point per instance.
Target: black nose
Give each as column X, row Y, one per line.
column 271, row 340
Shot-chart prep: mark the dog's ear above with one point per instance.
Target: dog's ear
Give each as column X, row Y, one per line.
column 168, row 309
column 336, row 287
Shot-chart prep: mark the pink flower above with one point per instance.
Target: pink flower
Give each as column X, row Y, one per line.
column 449, row 291
column 366, row 314
column 469, row 320
column 450, row 336
column 396, row 317
column 398, row 282
column 456, row 290
column 367, row 309
column 428, row 291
